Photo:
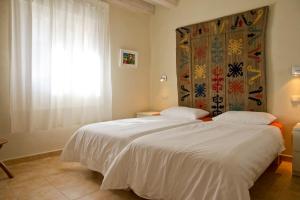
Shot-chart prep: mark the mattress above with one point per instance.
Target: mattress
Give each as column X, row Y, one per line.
column 96, row 145
column 204, row 161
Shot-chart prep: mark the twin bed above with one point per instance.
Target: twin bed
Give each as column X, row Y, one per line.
column 173, row 157
column 97, row 145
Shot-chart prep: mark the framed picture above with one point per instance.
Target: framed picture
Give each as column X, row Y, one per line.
column 128, row 58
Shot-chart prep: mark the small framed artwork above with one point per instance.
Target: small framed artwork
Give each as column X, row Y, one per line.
column 128, row 58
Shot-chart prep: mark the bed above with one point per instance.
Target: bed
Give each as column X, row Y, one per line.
column 208, row 161
column 96, row 145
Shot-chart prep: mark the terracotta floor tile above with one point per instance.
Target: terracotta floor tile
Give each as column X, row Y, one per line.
column 79, row 190
column 99, row 195
column 28, row 184
column 289, row 195
column 64, row 179
column 6, row 194
column 40, row 193
column 3, row 182
column 36, row 188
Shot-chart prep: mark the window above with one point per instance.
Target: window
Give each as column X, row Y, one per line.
column 60, row 64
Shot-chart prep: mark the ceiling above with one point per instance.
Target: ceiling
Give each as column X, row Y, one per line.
column 144, row 6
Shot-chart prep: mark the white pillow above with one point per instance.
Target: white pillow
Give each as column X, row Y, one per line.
column 246, row 117
column 184, row 112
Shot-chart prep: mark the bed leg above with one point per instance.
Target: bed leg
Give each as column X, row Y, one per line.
column 278, row 160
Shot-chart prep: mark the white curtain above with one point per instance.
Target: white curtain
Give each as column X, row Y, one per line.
column 60, row 64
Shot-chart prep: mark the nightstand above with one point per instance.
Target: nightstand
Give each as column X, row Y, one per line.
column 296, row 148
column 147, row 114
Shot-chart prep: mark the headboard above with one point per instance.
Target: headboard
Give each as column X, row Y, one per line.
column 221, row 63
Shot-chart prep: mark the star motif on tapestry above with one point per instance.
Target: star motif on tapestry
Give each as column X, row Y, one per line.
column 200, row 90
column 235, row 47
column 236, row 87
column 235, row 69
column 200, row 71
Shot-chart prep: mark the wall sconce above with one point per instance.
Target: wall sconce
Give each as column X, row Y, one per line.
column 163, row 78
column 295, row 70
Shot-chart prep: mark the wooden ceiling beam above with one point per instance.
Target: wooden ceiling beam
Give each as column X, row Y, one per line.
column 135, row 5
column 164, row 3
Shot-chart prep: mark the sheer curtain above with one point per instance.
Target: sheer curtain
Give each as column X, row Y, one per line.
column 60, row 64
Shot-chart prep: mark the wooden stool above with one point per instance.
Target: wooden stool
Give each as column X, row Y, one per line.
column 2, row 165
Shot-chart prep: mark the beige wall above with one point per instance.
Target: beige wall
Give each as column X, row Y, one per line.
column 130, row 87
column 283, row 50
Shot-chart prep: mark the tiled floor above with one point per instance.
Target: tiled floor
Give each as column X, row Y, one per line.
column 51, row 179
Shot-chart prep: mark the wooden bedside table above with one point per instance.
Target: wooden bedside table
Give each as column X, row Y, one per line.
column 2, row 165
column 147, row 114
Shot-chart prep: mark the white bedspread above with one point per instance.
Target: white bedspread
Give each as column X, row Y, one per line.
column 204, row 161
column 97, row 145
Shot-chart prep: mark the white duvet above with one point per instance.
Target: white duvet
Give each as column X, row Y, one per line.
column 204, row 161
column 97, row 145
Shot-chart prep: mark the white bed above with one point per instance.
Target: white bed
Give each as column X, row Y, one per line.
column 208, row 161
column 96, row 145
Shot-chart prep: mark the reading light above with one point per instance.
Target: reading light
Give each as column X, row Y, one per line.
column 295, row 70
column 163, row 78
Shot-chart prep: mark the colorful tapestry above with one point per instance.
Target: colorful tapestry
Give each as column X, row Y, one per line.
column 221, row 63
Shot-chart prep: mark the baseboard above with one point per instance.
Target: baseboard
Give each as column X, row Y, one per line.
column 32, row 157
column 285, row 157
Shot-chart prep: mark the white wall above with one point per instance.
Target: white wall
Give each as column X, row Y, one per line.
column 283, row 50
column 129, row 30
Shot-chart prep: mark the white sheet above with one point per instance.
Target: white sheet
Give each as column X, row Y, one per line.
column 97, row 145
column 204, row 161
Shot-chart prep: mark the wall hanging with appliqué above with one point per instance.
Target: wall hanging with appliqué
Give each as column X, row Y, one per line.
column 221, row 63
